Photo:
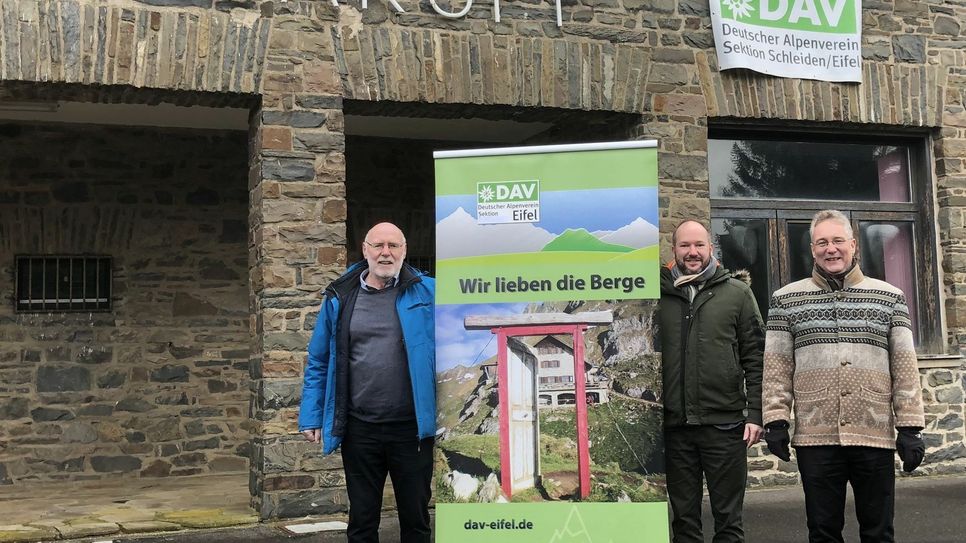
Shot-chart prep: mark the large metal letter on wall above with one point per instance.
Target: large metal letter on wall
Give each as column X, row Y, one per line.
column 549, row 421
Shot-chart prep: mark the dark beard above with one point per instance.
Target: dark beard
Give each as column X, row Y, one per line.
column 684, row 270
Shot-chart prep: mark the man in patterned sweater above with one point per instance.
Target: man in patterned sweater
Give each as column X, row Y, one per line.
column 839, row 348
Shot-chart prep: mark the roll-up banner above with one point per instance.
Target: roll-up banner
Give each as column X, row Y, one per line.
column 548, row 388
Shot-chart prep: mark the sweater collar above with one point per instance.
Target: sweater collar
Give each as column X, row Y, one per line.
column 365, row 286
column 851, row 278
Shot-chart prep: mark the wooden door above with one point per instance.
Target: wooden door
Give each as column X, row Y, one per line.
column 524, row 427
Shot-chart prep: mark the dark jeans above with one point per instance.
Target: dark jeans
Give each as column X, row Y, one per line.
column 825, row 472
column 370, row 451
column 720, row 457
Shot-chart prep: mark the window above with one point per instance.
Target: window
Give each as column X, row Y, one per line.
column 765, row 187
column 63, row 283
column 546, row 347
column 549, row 363
column 556, row 379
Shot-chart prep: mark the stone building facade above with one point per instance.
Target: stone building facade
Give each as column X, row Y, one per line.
column 614, row 69
column 158, row 386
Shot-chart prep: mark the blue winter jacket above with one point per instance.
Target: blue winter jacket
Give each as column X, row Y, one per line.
column 325, row 390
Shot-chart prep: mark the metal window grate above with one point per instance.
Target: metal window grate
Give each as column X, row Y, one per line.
column 63, row 283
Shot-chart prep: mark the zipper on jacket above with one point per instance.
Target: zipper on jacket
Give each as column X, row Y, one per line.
column 685, row 333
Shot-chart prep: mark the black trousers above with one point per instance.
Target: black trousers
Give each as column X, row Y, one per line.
column 720, row 457
column 825, row 472
column 370, row 451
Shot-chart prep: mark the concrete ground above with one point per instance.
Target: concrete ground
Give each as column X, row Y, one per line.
column 102, row 510
column 928, row 510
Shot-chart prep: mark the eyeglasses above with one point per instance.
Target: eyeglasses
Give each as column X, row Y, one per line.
column 837, row 242
column 393, row 247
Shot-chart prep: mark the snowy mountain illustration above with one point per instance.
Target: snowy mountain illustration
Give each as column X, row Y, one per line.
column 459, row 235
column 638, row 234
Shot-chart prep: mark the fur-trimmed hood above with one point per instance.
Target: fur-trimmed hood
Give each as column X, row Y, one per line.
column 742, row 275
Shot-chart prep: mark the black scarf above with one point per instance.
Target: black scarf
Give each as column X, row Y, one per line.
column 835, row 281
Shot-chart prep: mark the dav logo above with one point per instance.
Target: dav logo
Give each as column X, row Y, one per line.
column 835, row 16
column 501, row 202
column 738, row 8
column 509, row 191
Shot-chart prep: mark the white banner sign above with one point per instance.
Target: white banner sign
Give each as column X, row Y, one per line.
column 808, row 39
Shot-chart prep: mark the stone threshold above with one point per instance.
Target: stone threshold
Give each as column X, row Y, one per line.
column 932, row 361
column 124, row 522
column 111, row 523
column 105, row 508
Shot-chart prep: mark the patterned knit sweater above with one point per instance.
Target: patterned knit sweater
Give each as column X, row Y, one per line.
column 845, row 360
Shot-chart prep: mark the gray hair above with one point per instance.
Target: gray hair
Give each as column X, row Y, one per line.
column 831, row 215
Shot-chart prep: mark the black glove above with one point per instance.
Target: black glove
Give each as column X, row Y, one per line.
column 911, row 448
column 776, row 435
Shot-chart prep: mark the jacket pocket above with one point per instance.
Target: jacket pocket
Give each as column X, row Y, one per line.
column 423, row 311
column 736, row 372
column 418, row 322
column 721, row 384
column 816, row 395
column 875, row 395
column 734, row 378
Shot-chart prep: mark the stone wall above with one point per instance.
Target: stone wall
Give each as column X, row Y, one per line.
column 943, row 392
column 158, row 386
column 135, row 42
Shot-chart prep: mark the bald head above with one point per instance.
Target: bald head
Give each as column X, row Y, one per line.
column 692, row 247
column 385, row 229
column 691, row 227
column 384, row 249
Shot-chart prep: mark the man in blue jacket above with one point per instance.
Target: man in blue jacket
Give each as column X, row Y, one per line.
column 370, row 385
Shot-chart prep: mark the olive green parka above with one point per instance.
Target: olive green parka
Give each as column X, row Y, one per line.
column 711, row 352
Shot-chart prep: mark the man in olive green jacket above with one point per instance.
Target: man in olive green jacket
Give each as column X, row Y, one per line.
column 711, row 341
